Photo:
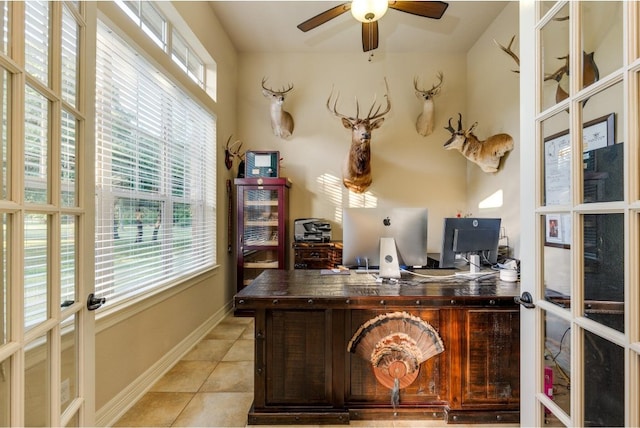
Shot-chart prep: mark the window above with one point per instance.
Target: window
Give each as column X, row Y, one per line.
column 161, row 31
column 188, row 61
column 155, row 176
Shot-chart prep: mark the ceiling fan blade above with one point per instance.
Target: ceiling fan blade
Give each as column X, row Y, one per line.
column 369, row 36
column 428, row 9
column 325, row 16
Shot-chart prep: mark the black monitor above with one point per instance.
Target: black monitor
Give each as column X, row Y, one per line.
column 469, row 236
column 362, row 229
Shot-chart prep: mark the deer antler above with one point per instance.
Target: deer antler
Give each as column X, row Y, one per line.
column 376, row 114
column 510, row 52
column 280, row 92
column 435, row 88
column 369, row 117
column 229, row 154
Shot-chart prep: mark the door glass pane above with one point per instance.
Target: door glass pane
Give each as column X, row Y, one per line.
column 604, row 269
column 36, row 147
column 69, row 57
column 603, row 382
column 4, row 132
column 4, row 27
column 556, row 155
column 602, row 39
column 557, row 365
column 68, row 154
column 74, row 421
column 68, row 259
column 5, row 392
column 36, row 237
column 36, row 40
column 557, row 258
column 545, row 6
column 603, row 154
column 555, row 65
column 37, row 373
column 4, row 285
column 69, row 362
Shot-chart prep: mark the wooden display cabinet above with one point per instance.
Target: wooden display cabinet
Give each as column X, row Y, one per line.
column 262, row 217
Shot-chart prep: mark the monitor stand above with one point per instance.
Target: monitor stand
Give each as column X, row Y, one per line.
column 474, row 268
column 389, row 266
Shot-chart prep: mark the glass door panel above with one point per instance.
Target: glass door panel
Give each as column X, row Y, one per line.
column 37, row 376
column 5, row 319
column 555, row 59
column 5, row 392
column 36, row 269
column 603, row 150
column 4, row 131
column 557, row 259
column 604, row 404
column 604, row 269
column 601, row 26
column 557, row 365
column 68, row 259
column 556, row 155
column 69, row 362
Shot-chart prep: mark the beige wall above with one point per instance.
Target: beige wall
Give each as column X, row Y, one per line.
column 493, row 97
column 133, row 348
column 408, row 169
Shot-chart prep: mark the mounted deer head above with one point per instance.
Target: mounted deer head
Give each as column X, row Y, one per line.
column 231, row 151
column 424, row 123
column 281, row 121
column 356, row 175
column 590, row 71
column 486, row 154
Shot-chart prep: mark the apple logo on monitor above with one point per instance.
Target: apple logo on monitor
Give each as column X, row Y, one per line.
column 386, row 221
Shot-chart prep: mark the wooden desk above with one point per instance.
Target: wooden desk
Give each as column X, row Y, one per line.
column 304, row 374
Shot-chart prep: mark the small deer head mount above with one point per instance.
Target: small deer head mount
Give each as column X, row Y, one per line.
column 356, row 174
column 590, row 72
column 486, row 154
column 424, row 123
column 281, row 121
column 232, row 151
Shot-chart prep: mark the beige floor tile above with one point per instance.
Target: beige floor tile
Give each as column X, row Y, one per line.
column 230, row 376
column 216, row 409
column 155, row 409
column 242, row 350
column 209, row 350
column 249, row 332
column 226, row 330
column 185, row 376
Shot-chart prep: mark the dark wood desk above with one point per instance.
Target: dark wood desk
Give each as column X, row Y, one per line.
column 304, row 374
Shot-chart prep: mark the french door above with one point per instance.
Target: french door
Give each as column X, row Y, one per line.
column 581, row 251
column 46, row 209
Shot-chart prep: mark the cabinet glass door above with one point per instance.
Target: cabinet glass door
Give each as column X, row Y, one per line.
column 261, row 232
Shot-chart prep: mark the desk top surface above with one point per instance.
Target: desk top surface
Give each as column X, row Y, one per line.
column 324, row 286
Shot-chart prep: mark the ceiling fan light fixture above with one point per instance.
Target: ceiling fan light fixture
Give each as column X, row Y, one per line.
column 368, row 10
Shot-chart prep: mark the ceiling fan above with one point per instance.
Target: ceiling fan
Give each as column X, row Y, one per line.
column 369, row 11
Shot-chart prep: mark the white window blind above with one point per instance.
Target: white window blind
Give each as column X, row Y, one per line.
column 155, row 176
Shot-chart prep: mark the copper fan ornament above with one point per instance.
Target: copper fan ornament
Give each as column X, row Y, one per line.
column 396, row 344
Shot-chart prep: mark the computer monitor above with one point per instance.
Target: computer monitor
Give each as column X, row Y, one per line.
column 469, row 236
column 363, row 228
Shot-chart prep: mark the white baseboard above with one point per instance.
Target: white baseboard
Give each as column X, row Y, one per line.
column 111, row 412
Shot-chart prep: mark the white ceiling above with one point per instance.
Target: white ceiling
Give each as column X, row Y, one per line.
column 271, row 26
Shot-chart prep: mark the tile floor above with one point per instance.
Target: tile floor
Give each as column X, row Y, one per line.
column 212, row 386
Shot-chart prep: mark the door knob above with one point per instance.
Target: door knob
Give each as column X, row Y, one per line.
column 94, row 303
column 525, row 300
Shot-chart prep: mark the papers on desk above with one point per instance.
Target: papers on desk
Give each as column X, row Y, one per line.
column 334, row 272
